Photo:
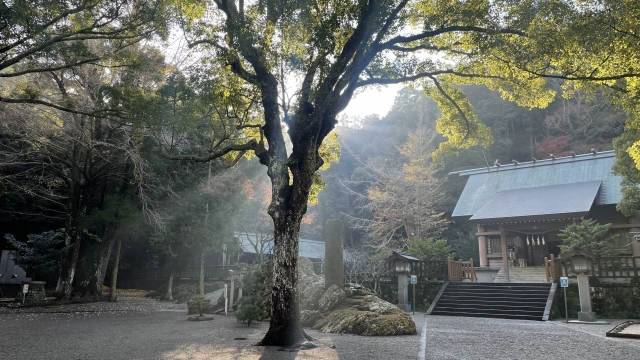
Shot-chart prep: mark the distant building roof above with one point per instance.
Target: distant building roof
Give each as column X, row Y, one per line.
column 312, row 249
column 485, row 183
column 566, row 200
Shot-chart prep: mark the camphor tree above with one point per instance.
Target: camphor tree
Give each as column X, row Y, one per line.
column 305, row 60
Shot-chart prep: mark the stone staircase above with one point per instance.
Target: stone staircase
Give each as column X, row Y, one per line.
column 523, row 301
column 529, row 274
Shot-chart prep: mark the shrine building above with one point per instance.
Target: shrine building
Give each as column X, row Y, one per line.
column 520, row 207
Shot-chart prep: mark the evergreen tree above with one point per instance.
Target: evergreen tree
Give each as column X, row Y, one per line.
column 40, row 255
column 590, row 236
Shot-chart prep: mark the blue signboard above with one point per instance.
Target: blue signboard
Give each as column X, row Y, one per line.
column 564, row 281
column 414, row 279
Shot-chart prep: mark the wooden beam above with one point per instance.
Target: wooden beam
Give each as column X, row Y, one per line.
column 505, row 259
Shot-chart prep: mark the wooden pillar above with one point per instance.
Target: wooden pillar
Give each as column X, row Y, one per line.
column 505, row 259
column 482, row 247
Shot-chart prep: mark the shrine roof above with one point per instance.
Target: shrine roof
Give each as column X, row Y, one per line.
column 485, row 183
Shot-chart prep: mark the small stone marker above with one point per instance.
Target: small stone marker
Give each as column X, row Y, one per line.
column 333, row 254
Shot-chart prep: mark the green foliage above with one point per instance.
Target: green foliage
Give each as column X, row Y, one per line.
column 40, row 254
column 588, row 235
column 255, row 304
column 430, row 249
column 625, row 166
column 609, row 301
column 199, row 303
column 249, row 313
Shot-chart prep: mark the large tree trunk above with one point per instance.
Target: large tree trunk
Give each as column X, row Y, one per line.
column 285, row 328
column 68, row 270
column 288, row 206
column 90, row 271
column 114, row 275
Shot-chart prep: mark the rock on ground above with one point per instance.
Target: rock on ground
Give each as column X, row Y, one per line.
column 352, row 309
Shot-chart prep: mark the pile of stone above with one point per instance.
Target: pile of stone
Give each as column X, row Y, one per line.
column 349, row 309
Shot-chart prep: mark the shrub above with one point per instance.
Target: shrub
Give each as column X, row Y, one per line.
column 249, row 313
column 255, row 304
column 199, row 305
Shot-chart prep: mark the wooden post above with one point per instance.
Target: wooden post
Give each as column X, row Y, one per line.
column 546, row 268
column 414, row 299
column 505, row 260
column 552, row 266
column 472, row 270
column 566, row 312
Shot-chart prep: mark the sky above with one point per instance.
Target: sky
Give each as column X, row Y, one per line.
column 372, row 101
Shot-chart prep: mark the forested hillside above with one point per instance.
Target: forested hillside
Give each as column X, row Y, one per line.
column 374, row 144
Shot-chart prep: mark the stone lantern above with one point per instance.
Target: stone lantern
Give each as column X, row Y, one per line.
column 401, row 265
column 582, row 265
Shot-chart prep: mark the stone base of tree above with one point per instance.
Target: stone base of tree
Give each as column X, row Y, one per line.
column 352, row 309
column 200, row 318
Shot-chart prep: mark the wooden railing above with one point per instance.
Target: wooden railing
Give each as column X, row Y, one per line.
column 610, row 267
column 460, row 270
column 550, row 268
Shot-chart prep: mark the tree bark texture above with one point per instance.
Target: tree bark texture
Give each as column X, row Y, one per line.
column 114, row 275
column 90, row 269
column 68, row 269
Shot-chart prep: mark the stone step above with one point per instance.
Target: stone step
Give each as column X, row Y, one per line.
column 496, row 300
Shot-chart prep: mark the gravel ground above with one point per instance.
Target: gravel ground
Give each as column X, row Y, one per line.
column 136, row 328
column 481, row 338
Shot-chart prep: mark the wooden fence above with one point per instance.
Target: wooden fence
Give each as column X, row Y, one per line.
column 218, row 272
column 609, row 267
column 430, row 269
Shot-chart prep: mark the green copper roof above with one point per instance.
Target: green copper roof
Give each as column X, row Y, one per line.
column 485, row 183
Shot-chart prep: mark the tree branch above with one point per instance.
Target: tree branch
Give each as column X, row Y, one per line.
column 444, row 30
column 252, row 145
